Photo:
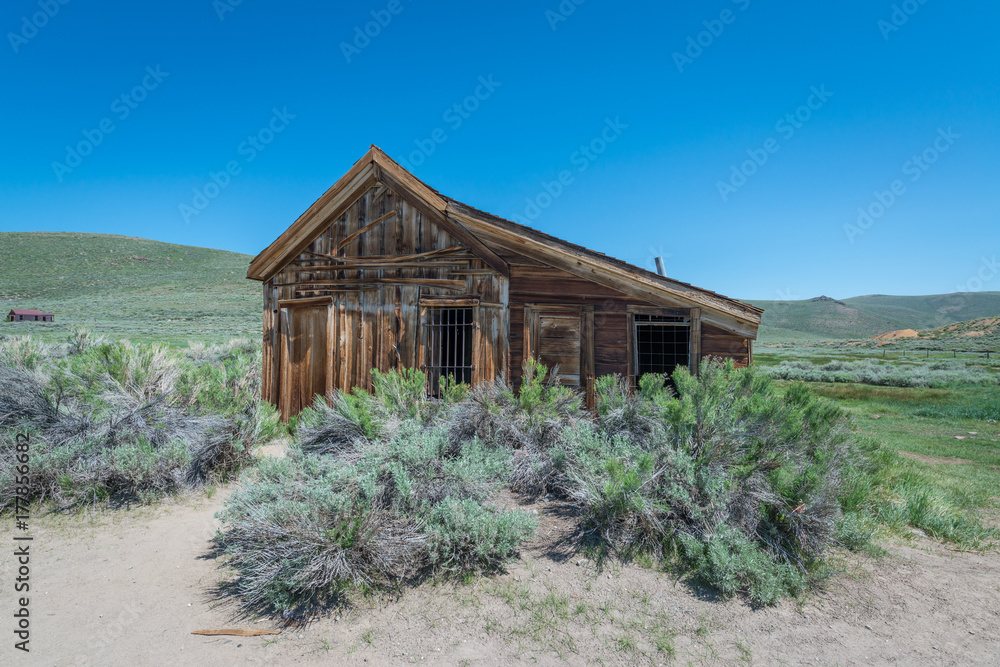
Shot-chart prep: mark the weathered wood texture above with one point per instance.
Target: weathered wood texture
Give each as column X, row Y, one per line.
column 539, row 286
column 717, row 343
column 374, row 319
column 534, row 286
column 304, row 347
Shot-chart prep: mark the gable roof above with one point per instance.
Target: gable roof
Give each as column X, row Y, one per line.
column 27, row 311
column 491, row 238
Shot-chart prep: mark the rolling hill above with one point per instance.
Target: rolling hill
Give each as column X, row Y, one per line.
column 121, row 286
column 858, row 318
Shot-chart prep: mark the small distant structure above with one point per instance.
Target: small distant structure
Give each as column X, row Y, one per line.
column 28, row 315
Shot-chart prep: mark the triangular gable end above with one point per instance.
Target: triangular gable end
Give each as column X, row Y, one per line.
column 368, row 173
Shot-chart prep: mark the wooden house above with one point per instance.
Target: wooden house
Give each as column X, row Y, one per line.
column 385, row 272
column 28, row 315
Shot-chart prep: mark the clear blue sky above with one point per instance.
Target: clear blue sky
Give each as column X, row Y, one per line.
column 888, row 92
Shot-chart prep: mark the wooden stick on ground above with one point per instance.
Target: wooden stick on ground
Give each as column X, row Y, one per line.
column 237, row 632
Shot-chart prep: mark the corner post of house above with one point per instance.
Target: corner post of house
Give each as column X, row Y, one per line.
column 695, row 360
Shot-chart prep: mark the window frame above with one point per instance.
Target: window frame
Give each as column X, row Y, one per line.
column 693, row 317
column 429, row 303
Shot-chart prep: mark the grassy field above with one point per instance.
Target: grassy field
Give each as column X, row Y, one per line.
column 948, row 438
column 125, row 287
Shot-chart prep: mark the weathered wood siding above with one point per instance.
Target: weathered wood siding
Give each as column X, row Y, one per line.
column 718, row 343
column 541, row 285
column 538, row 285
column 377, row 324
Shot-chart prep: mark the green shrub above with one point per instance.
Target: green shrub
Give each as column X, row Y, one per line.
column 312, row 529
column 874, row 372
column 741, row 482
column 122, row 422
column 464, row 535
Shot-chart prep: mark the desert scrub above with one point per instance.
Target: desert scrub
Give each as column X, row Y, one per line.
column 526, row 424
column 108, row 424
column 869, row 371
column 319, row 528
column 738, row 482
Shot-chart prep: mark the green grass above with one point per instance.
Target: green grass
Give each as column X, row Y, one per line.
column 938, row 494
column 126, row 287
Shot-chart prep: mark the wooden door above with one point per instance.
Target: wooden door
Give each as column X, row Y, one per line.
column 562, row 338
column 304, row 356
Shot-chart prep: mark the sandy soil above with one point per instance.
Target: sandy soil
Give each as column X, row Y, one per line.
column 127, row 588
column 896, row 335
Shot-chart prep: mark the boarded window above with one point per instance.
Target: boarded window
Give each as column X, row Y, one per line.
column 449, row 346
column 661, row 344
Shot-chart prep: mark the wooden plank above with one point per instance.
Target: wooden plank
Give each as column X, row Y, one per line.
column 478, row 348
column 567, row 363
column 549, row 347
column 363, row 266
column 305, row 303
column 448, row 301
column 630, row 347
column 409, row 310
column 411, row 222
column 369, row 339
column 559, row 326
column 473, row 272
column 587, row 360
column 332, row 351
column 440, row 283
column 659, row 311
column 377, row 258
column 377, row 221
column 695, row 361
column 433, row 209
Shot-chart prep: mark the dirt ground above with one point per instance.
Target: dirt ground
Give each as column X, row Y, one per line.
column 127, row 588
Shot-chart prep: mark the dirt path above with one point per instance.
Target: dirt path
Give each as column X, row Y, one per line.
column 129, row 587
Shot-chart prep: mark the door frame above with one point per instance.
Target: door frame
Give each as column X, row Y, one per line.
column 282, row 355
column 532, row 332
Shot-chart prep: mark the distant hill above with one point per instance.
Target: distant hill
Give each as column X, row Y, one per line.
column 122, row 286
column 824, row 319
